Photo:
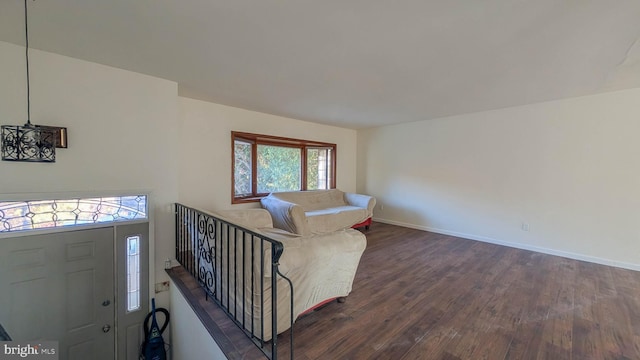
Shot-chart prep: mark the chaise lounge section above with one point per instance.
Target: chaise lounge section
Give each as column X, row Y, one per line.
column 318, row 211
column 321, row 267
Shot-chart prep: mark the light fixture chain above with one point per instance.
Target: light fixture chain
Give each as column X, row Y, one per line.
column 26, row 34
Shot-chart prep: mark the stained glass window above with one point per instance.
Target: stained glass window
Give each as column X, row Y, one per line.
column 41, row 214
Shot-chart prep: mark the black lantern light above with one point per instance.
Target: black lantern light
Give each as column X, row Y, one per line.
column 29, row 142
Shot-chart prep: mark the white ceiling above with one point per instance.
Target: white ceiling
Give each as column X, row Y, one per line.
column 352, row 63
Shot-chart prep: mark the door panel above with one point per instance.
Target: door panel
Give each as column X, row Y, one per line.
column 27, row 306
column 55, row 286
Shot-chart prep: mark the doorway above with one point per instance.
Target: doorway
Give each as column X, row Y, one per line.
column 73, row 287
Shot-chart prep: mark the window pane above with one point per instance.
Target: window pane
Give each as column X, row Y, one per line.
column 318, row 168
column 133, row 273
column 279, row 168
column 242, row 168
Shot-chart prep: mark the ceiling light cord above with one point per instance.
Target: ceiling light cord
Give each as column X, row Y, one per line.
column 26, row 34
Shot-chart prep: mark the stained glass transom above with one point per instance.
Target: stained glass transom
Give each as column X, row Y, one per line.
column 42, row 214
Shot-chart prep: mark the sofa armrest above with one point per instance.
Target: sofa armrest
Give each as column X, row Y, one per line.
column 360, row 200
column 286, row 216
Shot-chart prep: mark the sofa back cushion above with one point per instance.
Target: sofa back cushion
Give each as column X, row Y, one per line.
column 314, row 199
column 252, row 219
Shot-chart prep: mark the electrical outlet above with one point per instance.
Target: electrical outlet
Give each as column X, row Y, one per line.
column 167, row 264
column 381, row 207
column 525, row 227
column 162, row 286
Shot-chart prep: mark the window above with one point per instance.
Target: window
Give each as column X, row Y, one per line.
column 319, row 168
column 133, row 273
column 41, row 214
column 263, row 164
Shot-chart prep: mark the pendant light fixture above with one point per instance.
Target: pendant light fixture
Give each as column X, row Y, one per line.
column 30, row 142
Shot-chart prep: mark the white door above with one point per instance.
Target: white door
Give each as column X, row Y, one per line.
column 60, row 287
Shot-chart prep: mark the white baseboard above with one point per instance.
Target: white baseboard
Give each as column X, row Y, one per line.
column 570, row 255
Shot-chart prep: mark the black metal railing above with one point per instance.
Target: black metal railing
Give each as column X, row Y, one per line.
column 238, row 269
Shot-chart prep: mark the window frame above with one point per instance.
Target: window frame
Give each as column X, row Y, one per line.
column 270, row 140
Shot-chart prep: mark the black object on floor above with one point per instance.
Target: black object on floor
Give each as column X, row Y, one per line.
column 153, row 345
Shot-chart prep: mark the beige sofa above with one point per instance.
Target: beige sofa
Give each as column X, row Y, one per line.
column 318, row 211
column 321, row 267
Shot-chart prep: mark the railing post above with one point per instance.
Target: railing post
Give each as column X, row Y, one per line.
column 178, row 227
column 276, row 252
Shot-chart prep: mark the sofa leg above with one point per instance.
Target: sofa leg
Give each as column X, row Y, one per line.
column 366, row 227
column 342, row 299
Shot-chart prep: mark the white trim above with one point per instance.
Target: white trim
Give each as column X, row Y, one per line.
column 570, row 255
column 151, row 210
column 31, row 196
column 52, row 230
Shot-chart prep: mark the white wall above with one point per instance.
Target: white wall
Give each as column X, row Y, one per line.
column 122, row 130
column 190, row 339
column 205, row 163
column 570, row 169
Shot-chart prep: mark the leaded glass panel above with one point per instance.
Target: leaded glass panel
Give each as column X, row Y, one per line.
column 41, row 214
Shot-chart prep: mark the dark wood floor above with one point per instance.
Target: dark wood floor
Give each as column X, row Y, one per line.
column 419, row 295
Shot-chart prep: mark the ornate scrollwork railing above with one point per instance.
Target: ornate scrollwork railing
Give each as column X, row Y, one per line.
column 238, row 269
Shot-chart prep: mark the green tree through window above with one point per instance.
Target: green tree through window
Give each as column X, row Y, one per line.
column 278, row 168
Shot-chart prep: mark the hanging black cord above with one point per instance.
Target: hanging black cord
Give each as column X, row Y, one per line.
column 26, row 34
